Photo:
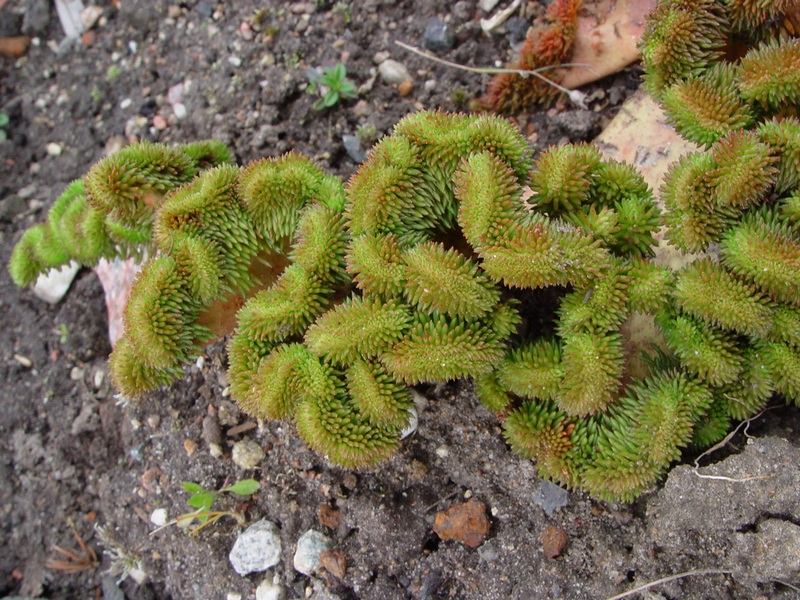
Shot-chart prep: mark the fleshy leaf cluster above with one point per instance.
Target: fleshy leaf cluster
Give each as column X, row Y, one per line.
column 452, row 253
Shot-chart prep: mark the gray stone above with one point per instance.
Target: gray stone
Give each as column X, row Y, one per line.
column 578, row 123
column 310, row 545
column 550, row 497
column 393, row 72
column 211, row 431
column 111, row 591
column 727, row 513
column 439, row 37
column 517, row 29
column 256, row 549
column 463, row 10
column 247, row 454
column 11, row 207
column 352, row 146
column 269, row 589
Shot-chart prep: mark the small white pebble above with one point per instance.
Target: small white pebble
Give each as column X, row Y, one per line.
column 215, row 450
column 180, row 110
column 159, row 517
column 235, row 61
column 54, row 149
column 126, row 103
column 442, row 452
column 23, row 360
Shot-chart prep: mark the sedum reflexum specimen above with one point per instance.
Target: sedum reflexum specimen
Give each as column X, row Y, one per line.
column 451, row 253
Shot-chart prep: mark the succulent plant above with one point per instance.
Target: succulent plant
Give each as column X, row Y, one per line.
column 451, row 253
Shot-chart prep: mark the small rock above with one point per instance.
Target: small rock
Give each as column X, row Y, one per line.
column 393, row 72
column 215, row 450
column 517, row 29
column 404, row 88
column 160, row 122
column 554, row 540
column 577, row 123
column 114, row 144
column 111, row 591
column 211, row 430
column 310, row 545
column 190, row 446
column 362, row 109
column 204, row 9
column 488, row 5
column 228, row 413
column 151, row 480
column 175, row 93
column 269, row 590
column 334, row 562
column 329, row 517
column 52, row 286
column 466, row 523
column 379, row 57
column 439, row 37
column 23, row 360
column 246, row 31
column 352, row 146
column 159, row 517
column 350, row 481
column 247, row 454
column 180, row 111
column 256, row 549
column 488, row 552
column 11, row 207
column 550, row 497
column 54, row 149
column 462, row 10
column 90, row 16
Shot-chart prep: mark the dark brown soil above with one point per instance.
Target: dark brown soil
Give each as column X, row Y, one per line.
column 71, row 455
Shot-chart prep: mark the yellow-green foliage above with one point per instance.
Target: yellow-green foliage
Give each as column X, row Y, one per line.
column 451, row 253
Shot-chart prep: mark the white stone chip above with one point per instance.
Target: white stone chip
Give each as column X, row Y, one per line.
column 257, row 548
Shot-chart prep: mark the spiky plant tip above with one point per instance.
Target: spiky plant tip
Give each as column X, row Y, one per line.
column 335, row 428
column 682, row 39
column 445, row 281
column 275, row 190
column 358, row 328
column 705, row 108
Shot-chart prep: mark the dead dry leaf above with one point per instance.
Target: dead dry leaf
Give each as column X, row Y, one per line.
column 607, row 39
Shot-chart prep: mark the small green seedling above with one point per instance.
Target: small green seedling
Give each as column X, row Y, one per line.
column 333, row 85
column 202, row 500
column 4, row 120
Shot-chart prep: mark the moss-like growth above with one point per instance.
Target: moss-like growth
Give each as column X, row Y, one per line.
column 419, row 268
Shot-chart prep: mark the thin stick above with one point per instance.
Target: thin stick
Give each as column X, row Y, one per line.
column 652, row 584
column 576, row 96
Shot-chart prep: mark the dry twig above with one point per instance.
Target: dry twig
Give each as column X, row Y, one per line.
column 652, row 584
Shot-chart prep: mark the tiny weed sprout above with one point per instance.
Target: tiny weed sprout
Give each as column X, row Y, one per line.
column 332, row 85
column 4, row 119
column 202, row 500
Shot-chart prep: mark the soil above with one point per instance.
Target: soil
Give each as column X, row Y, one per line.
column 73, row 456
